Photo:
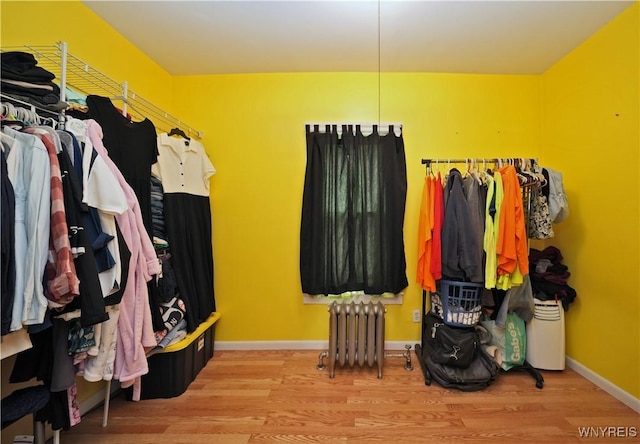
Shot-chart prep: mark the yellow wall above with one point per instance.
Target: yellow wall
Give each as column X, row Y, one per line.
column 89, row 38
column 590, row 132
column 254, row 133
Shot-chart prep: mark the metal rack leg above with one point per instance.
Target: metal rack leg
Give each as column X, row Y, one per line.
column 107, row 398
column 425, row 370
column 38, row 432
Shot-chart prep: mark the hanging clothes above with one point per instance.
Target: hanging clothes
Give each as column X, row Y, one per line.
column 157, row 211
column 475, row 195
column 101, row 191
column 438, row 220
column 48, row 363
column 185, row 170
column 459, row 245
column 132, row 147
column 558, row 205
column 426, row 223
column 29, row 171
column 90, row 304
column 62, row 284
column 101, row 240
column 7, row 242
column 512, row 248
column 100, row 363
column 135, row 331
column 493, row 206
column 77, row 236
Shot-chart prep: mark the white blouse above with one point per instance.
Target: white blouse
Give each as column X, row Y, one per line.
column 183, row 166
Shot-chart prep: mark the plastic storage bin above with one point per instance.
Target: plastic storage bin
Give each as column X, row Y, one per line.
column 174, row 368
column 458, row 303
column 545, row 336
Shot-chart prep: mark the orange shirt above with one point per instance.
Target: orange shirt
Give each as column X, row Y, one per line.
column 512, row 249
column 425, row 230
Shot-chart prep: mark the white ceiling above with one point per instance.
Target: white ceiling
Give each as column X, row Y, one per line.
column 214, row 37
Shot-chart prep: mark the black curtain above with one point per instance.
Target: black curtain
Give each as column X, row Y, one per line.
column 353, row 207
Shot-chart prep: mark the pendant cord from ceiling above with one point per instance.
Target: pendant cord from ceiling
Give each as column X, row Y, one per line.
column 379, row 89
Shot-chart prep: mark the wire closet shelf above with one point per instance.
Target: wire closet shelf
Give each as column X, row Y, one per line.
column 79, row 76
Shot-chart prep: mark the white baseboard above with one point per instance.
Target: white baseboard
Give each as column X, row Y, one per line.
column 606, row 385
column 270, row 345
column 295, row 345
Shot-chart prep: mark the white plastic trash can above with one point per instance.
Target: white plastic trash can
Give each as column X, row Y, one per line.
column 545, row 336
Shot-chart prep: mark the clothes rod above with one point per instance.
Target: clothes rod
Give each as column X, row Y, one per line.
column 31, row 106
column 476, row 160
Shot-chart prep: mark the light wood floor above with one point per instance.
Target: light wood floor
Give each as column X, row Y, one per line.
column 280, row 396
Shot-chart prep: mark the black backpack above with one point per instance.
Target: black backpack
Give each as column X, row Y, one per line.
column 445, row 352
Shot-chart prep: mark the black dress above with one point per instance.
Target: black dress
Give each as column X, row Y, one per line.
column 132, row 146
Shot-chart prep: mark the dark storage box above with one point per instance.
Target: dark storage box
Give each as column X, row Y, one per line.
column 172, row 370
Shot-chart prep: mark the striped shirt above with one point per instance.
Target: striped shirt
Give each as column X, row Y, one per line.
column 62, row 284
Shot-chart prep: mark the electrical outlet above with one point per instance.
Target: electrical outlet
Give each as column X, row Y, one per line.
column 416, row 316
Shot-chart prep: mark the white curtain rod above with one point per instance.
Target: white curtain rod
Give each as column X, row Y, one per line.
column 365, row 127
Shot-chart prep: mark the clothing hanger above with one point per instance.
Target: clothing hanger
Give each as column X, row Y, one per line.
column 427, row 166
column 526, row 171
column 432, row 171
column 49, row 121
column 9, row 111
column 488, row 172
column 12, row 117
column 29, row 114
column 536, row 171
column 178, row 132
column 124, row 111
column 13, row 123
column 474, row 171
column 30, row 117
column 523, row 178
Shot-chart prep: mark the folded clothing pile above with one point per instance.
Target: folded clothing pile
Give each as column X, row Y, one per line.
column 23, row 79
column 157, row 210
column 549, row 276
column 174, row 323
